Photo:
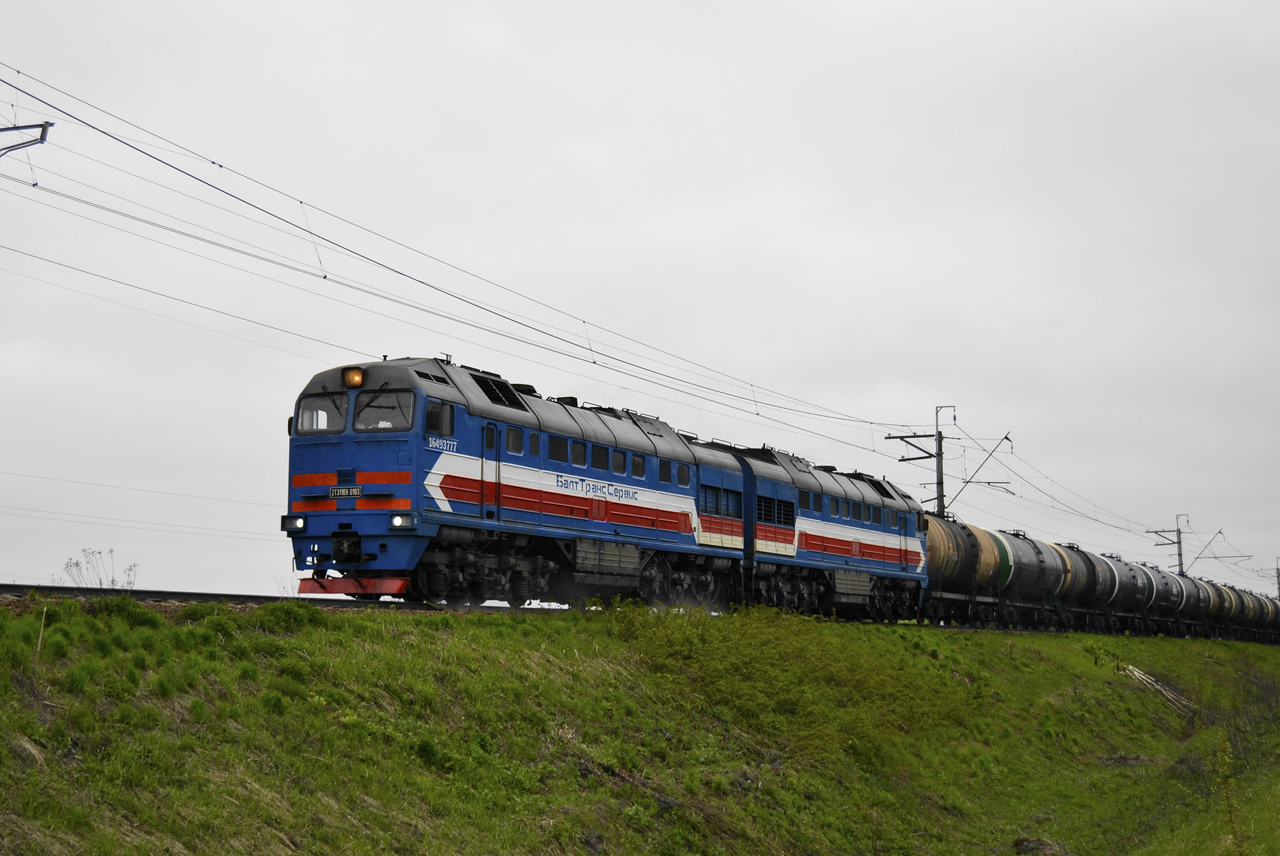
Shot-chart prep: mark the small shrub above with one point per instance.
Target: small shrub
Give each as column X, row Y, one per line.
column 129, row 610
column 14, row 654
column 83, row 717
column 184, row 638
column 117, row 688
column 57, row 647
column 248, row 671
column 288, row 687
column 150, row 717
column 139, row 661
column 286, row 616
column 272, row 702
column 271, row 648
column 438, row 622
column 163, row 685
column 120, row 638
column 431, row 754
column 199, row 711
column 223, row 627
column 296, row 669
column 74, row 680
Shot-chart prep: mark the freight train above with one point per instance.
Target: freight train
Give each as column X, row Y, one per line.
column 432, row 481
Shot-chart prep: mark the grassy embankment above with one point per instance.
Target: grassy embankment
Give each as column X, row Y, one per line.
column 287, row 729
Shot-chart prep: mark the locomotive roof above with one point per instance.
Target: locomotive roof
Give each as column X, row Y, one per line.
column 488, row 395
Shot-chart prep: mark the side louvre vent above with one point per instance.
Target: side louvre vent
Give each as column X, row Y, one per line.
column 499, row 392
column 879, row 488
column 434, row 378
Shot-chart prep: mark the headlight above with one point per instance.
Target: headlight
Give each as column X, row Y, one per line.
column 293, row 523
column 403, row 521
column 353, row 377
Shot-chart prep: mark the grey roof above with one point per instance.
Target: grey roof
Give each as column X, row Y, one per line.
column 552, row 417
column 666, row 442
column 627, row 434
column 606, row 426
column 712, row 455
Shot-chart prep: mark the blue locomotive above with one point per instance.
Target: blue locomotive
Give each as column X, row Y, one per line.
column 435, row 481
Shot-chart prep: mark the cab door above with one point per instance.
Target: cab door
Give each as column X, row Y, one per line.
column 490, row 471
column 904, row 543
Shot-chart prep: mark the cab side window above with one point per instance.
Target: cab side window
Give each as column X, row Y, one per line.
column 440, row 418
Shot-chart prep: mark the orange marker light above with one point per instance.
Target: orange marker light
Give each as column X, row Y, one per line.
column 353, row 377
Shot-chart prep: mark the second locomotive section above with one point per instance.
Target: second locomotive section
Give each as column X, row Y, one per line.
column 433, row 480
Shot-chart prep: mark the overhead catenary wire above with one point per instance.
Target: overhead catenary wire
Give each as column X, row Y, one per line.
column 184, row 301
column 373, row 292
column 125, row 523
column 832, row 415
column 777, row 422
column 184, row 322
column 205, row 497
column 390, row 268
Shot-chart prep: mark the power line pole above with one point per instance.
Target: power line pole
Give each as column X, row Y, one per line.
column 937, row 434
column 1176, row 540
column 936, row 454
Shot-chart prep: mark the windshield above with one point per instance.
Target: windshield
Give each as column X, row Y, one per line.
column 322, row 414
column 384, row 411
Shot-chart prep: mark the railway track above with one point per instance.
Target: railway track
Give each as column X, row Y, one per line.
column 183, row 597
column 179, row 597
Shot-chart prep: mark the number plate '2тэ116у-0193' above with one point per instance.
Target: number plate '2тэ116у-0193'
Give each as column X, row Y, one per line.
column 340, row 492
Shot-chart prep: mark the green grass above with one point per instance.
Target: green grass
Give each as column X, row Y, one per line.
column 286, row 729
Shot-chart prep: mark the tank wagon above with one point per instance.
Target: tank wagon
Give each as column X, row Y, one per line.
column 979, row 576
column 428, row 480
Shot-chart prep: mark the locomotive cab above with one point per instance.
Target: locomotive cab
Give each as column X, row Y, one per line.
column 354, row 448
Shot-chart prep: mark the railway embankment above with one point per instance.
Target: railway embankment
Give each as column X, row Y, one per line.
column 289, row 729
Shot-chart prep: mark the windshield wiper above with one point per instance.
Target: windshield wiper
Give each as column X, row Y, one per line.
column 371, row 401
column 333, row 399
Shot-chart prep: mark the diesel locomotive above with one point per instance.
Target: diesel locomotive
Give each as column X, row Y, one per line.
column 429, row 480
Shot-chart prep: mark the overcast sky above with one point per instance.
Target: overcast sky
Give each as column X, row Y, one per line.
column 1059, row 218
